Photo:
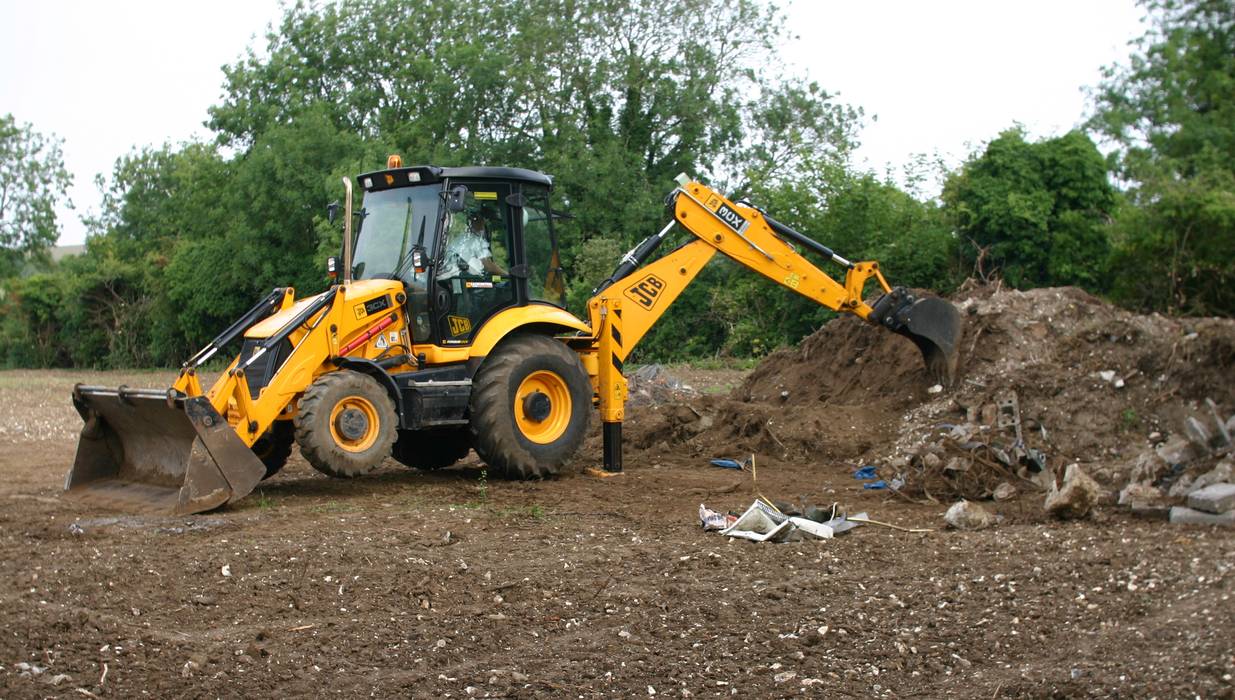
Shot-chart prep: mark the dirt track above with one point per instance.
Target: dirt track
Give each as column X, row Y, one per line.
column 447, row 585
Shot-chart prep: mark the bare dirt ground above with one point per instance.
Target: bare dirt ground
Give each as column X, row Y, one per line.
column 448, row 584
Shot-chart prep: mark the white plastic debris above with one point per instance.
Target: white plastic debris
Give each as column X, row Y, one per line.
column 762, row 523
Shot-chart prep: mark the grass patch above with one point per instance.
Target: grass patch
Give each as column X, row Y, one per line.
column 335, row 507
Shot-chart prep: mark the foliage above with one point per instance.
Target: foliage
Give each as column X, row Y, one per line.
column 1170, row 114
column 33, row 180
column 613, row 97
column 1037, row 212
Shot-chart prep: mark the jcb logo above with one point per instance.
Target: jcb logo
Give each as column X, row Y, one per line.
column 459, row 325
column 646, row 291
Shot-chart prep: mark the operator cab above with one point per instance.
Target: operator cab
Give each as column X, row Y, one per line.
column 466, row 242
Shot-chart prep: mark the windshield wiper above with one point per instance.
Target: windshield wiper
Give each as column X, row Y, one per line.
column 406, row 257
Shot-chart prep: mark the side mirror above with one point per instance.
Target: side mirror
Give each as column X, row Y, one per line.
column 456, row 199
column 418, row 259
column 332, row 211
column 332, row 267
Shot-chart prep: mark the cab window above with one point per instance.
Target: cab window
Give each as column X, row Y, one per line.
column 473, row 275
column 545, row 281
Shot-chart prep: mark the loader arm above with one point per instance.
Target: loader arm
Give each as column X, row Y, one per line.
column 625, row 306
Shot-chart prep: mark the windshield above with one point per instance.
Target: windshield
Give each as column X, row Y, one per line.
column 392, row 223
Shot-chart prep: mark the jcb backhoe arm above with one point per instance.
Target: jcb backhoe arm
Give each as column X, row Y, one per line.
column 625, row 306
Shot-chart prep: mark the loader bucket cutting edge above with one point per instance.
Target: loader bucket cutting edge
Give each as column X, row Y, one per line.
column 934, row 325
column 157, row 452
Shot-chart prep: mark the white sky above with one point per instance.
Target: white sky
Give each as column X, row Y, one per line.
column 935, row 77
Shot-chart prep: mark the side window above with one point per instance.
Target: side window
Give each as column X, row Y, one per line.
column 473, row 277
column 545, row 281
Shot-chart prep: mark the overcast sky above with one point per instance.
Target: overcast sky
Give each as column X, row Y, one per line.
column 937, row 77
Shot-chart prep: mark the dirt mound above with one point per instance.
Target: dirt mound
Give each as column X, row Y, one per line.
column 1092, row 383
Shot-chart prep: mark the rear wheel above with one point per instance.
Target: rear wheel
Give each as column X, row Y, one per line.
column 432, row 449
column 275, row 446
column 346, row 424
column 530, row 405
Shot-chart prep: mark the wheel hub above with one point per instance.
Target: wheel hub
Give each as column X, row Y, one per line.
column 536, row 406
column 352, row 423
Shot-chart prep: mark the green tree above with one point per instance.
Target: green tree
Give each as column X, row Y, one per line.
column 1170, row 114
column 33, row 180
column 1036, row 212
column 613, row 97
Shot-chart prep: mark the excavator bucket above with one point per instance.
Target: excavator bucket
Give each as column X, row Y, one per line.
column 157, row 452
column 934, row 325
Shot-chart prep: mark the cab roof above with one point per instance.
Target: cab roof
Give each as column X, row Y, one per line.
column 427, row 174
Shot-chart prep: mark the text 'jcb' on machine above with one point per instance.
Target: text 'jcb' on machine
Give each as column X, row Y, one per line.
column 445, row 332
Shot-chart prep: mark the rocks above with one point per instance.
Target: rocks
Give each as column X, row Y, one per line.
column 653, row 384
column 1004, row 492
column 1215, row 498
column 1176, row 450
column 1141, row 495
column 967, row 515
column 1076, row 498
column 1181, row 515
column 1221, row 473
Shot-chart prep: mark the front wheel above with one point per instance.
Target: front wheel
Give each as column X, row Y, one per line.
column 275, row 446
column 345, row 424
column 530, row 405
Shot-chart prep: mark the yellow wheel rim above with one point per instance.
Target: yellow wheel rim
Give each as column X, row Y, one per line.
column 354, row 424
column 542, row 407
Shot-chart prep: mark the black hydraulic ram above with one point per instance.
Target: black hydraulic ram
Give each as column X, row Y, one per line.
column 309, row 311
column 785, row 232
column 635, row 257
column 259, row 312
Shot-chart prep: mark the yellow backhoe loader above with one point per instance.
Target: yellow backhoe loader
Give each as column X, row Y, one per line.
column 445, row 332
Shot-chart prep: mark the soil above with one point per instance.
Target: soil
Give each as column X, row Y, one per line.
column 450, row 584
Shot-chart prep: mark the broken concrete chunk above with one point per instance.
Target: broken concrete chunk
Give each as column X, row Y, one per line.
column 1004, row 491
column 966, row 515
column 1197, row 433
column 1076, row 498
column 1224, row 434
column 1181, row 515
column 1182, row 487
column 1215, row 498
column 1140, row 495
column 1176, row 450
column 1220, row 474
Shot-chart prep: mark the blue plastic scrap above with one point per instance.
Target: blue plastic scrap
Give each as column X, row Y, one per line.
column 726, row 463
column 868, row 472
column 881, row 484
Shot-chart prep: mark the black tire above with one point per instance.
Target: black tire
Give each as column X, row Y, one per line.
column 432, row 449
column 506, row 431
column 275, row 446
column 345, row 424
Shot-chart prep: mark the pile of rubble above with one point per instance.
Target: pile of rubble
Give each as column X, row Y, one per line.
column 1058, row 393
column 986, row 457
column 1187, row 478
column 653, row 384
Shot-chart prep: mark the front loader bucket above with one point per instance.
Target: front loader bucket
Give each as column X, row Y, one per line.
column 157, row 451
column 934, row 325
